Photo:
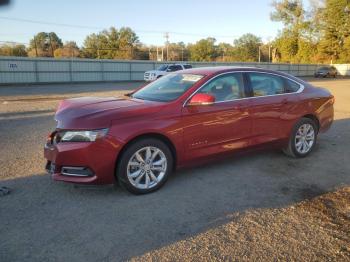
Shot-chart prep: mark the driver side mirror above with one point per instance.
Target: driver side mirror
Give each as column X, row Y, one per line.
column 201, row 99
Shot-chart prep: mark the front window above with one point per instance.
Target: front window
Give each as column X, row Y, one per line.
column 227, row 87
column 163, row 68
column 167, row 88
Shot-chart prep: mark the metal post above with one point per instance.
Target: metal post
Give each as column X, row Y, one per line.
column 259, row 55
column 166, row 35
column 130, row 73
column 102, row 68
column 36, row 71
column 70, row 70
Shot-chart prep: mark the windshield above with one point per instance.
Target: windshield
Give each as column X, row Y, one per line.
column 168, row 88
column 323, row 68
column 162, row 68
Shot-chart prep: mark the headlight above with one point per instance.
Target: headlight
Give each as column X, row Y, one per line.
column 82, row 136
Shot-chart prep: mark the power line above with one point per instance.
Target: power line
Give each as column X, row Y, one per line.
column 101, row 28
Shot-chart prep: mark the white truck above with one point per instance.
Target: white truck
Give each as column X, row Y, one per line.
column 163, row 70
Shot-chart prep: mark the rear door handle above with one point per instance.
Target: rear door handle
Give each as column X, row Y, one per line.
column 285, row 101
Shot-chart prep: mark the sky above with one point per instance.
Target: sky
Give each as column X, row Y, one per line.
column 186, row 21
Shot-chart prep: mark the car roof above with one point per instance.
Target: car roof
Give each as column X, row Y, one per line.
column 215, row 70
column 223, row 69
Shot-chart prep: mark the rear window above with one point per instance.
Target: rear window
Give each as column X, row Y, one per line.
column 266, row 84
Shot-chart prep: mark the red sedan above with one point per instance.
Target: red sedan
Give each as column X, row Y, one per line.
column 181, row 119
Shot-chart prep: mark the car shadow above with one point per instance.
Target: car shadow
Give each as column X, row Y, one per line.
column 69, row 222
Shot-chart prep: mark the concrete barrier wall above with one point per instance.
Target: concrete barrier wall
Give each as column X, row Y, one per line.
column 15, row 70
column 343, row 69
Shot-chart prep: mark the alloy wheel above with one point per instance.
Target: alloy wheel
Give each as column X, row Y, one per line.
column 304, row 138
column 147, row 167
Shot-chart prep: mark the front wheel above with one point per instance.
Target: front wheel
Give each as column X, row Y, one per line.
column 302, row 139
column 145, row 166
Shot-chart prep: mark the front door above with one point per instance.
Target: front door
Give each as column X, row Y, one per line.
column 223, row 126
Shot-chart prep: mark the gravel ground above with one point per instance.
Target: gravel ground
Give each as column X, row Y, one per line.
column 260, row 206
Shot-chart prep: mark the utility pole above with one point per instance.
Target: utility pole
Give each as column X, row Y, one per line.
column 36, row 48
column 182, row 54
column 259, row 54
column 51, row 45
column 269, row 53
column 166, row 35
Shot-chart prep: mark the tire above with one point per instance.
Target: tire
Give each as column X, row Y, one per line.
column 138, row 173
column 301, row 144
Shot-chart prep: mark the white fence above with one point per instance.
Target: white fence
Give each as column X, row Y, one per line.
column 14, row 70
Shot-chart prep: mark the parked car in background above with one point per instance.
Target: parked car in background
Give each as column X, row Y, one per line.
column 326, row 71
column 163, row 70
column 184, row 118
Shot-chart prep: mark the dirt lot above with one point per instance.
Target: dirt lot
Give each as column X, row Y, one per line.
column 262, row 206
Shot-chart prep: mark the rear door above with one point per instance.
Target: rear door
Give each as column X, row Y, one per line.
column 273, row 98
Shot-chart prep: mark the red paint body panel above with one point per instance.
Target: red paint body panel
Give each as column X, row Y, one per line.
column 197, row 132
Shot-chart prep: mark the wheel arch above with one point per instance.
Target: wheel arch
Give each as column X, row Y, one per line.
column 313, row 118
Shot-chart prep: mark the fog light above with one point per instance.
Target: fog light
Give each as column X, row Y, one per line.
column 76, row 171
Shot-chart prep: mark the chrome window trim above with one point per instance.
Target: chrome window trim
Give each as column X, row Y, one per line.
column 301, row 89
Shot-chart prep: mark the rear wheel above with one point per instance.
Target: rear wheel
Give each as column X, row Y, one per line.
column 302, row 139
column 145, row 166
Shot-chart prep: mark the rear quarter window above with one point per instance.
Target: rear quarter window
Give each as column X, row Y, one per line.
column 291, row 86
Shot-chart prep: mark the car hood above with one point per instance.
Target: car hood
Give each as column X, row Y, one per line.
column 98, row 112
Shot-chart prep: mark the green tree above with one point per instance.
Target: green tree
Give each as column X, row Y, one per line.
column 335, row 31
column 246, row 48
column 292, row 15
column 69, row 49
column 225, row 51
column 44, row 44
column 112, row 44
column 203, row 50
